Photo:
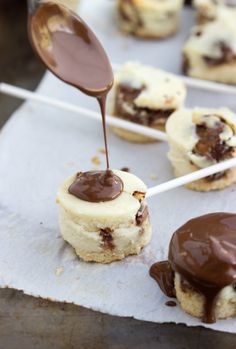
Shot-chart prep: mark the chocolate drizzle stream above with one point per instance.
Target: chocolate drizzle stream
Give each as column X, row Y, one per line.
column 68, row 48
column 203, row 252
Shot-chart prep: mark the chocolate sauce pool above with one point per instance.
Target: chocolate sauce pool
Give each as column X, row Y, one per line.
column 96, row 186
column 73, row 53
column 203, row 252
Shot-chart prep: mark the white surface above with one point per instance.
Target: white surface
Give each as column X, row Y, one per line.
column 41, row 146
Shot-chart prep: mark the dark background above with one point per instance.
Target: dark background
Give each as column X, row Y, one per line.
column 27, row 322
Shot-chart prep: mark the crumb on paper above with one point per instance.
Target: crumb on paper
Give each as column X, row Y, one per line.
column 102, row 150
column 153, row 176
column 125, row 169
column 96, row 161
column 59, row 271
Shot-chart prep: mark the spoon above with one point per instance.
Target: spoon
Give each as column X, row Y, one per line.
column 71, row 51
column 69, row 48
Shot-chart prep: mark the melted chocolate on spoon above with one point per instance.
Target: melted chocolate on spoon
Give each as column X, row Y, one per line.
column 72, row 52
column 203, row 252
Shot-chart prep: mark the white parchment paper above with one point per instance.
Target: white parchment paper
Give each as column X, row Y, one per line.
column 41, row 146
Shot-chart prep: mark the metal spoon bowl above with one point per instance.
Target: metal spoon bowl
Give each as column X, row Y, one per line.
column 69, row 48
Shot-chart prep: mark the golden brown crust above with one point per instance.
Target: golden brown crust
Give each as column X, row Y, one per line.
column 206, row 185
column 132, row 136
column 107, row 257
column 193, row 302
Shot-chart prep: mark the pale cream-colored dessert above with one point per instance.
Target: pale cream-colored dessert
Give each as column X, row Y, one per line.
column 145, row 95
column 149, row 18
column 209, row 10
column 106, row 231
column 199, row 138
column 210, row 51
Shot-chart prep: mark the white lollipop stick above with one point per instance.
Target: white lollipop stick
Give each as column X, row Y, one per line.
column 191, row 177
column 111, row 120
column 199, row 84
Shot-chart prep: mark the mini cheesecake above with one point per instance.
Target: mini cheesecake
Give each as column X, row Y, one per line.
column 199, row 138
column 146, row 96
column 201, row 267
column 105, row 231
column 209, row 10
column 210, row 51
column 149, row 18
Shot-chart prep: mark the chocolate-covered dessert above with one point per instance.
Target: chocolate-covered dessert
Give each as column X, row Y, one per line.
column 201, row 267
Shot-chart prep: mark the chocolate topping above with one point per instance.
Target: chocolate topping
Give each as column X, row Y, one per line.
column 126, row 108
column 107, row 238
column 96, row 186
column 210, row 144
column 203, row 251
column 142, row 214
column 186, row 286
column 164, row 276
column 227, row 55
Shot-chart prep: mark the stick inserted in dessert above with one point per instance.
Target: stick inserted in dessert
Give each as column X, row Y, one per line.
column 149, row 18
column 106, row 220
column 201, row 267
column 103, row 214
column 199, row 138
column 146, row 96
column 210, row 51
